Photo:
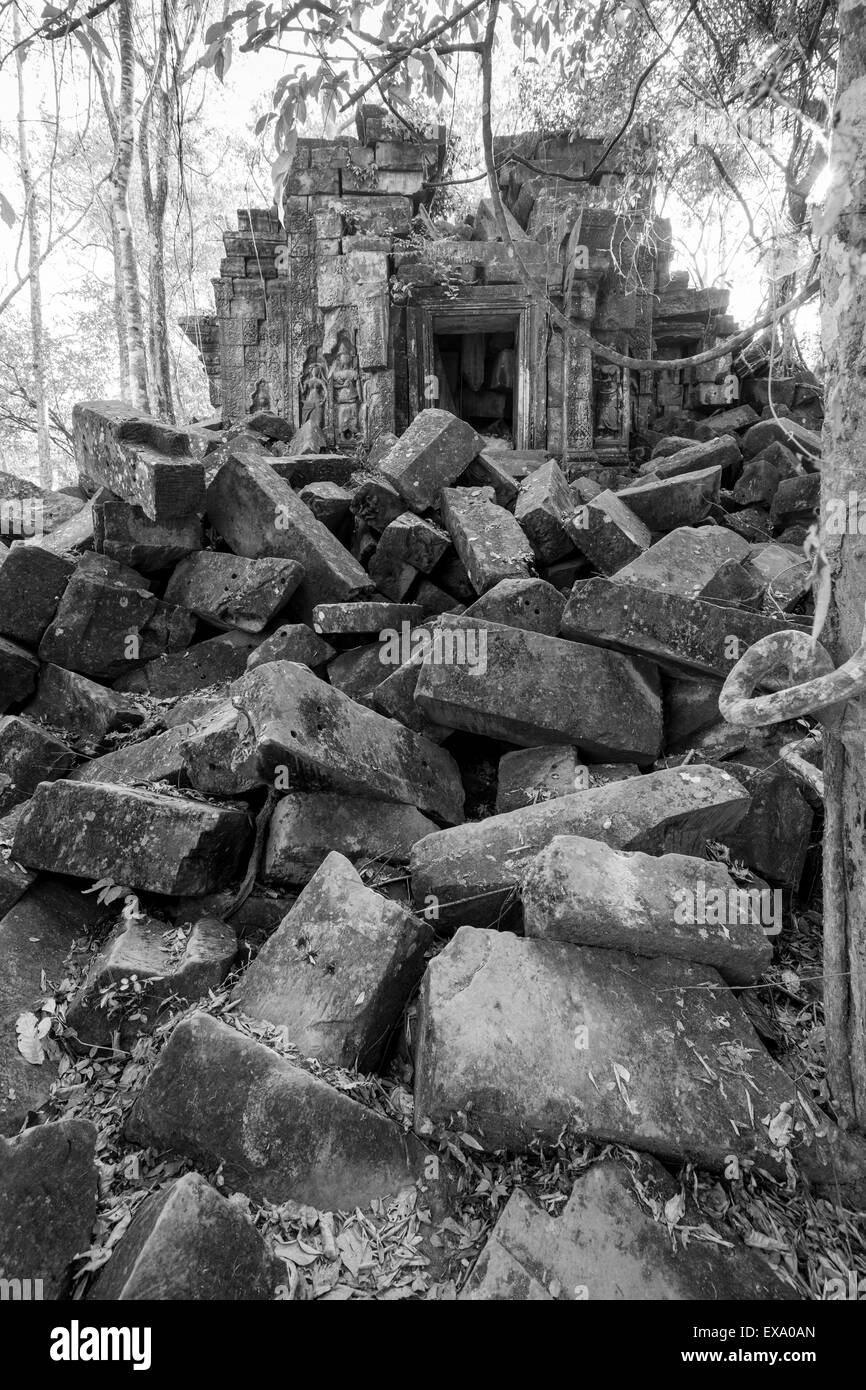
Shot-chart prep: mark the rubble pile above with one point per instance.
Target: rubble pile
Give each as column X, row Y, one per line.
column 419, row 755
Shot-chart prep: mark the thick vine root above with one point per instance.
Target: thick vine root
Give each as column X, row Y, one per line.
column 789, row 655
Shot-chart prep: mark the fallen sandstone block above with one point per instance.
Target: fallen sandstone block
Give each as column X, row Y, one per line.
column 723, row 451
column 158, row 843
column 126, row 533
column 583, row 892
column 258, row 514
column 802, row 442
column 83, row 710
column 48, row 1189
column 155, row 759
column 430, row 455
column 144, row 970
column 409, row 545
column 686, row 636
column 622, row 1050
column 361, row 619
column 187, row 1243
column 32, row 581
column 28, row 756
column 739, row 417
column 542, row 511
column 685, row 560
column 526, row 689
column 232, row 591
column 532, row 604
column 473, row 873
column 18, row 672
column 306, row 826
column 608, row 533
column 338, row 972
column 666, row 503
column 488, row 540
column 292, row 642
column 530, row 775
column 612, row 1242
column 321, row 739
column 36, row 938
column 213, row 662
column 142, row 460
column 232, row 1103
column 103, row 626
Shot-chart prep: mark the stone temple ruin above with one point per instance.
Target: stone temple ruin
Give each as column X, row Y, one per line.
column 352, row 319
column 390, row 734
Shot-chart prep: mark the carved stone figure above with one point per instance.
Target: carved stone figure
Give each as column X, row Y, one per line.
column 314, row 392
column 608, row 402
column 346, row 394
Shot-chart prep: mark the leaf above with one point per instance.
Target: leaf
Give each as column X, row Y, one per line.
column 29, row 1041
column 675, row 1208
column 7, row 212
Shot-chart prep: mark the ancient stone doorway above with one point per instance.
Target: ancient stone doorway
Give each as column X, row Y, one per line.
column 478, row 374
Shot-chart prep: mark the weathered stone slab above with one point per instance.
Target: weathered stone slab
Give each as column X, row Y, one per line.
column 724, row 451
column 686, row 636
column 232, row 591
column 36, row 937
column 28, row 756
column 530, row 775
column 608, row 533
column 377, row 503
column 486, row 537
column 187, row 1243
column 326, row 741
column 667, row 503
column 214, row 662
column 127, row 534
column 144, row 970
column 583, row 892
column 103, row 626
column 18, row 672
column 642, row 1052
column 81, row 709
column 357, row 672
column 612, row 1242
column 155, row 759
column 258, row 514
column 228, row 1101
column 292, row 642
column 796, row 499
column 785, row 572
column 473, row 873
column 301, row 469
column 306, row 826
column 542, row 509
column 162, row 844
column 739, row 417
column 48, row 1185
column 409, row 544
column 773, row 837
column 142, row 460
column 430, row 455
column 76, row 534
column 757, row 484
column 526, row 689
column 14, row 880
column 531, row 604
column 32, row 581
column 684, row 561
column 796, row 437
column 329, row 504
column 216, row 757
column 395, row 695
column 364, row 618
column 338, row 972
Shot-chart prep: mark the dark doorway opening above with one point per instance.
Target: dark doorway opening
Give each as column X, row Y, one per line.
column 478, row 373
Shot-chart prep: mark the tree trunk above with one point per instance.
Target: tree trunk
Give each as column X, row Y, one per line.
column 120, row 175
column 119, row 307
column 843, row 325
column 154, row 182
column 34, row 244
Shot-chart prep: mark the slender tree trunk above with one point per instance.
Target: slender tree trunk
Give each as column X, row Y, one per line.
column 119, row 307
column 120, row 176
column 34, row 242
column 154, row 182
column 843, row 324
